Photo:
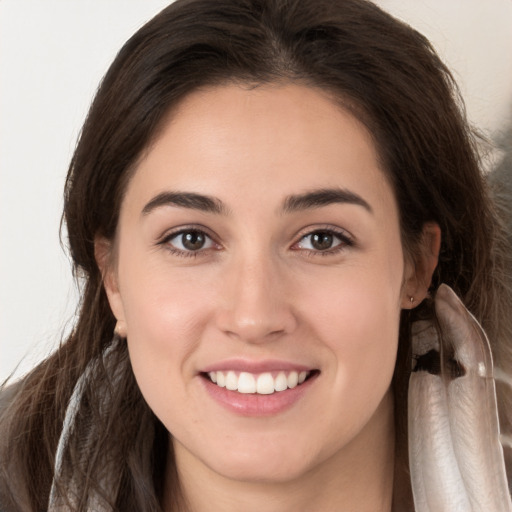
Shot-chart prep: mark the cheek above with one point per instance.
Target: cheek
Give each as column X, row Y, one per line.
column 357, row 319
column 369, row 350
column 166, row 311
column 165, row 316
column 358, row 298
column 359, row 323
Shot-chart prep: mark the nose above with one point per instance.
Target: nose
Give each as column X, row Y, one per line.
column 256, row 306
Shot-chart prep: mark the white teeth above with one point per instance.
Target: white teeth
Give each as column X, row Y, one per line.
column 281, row 382
column 231, row 381
column 263, row 383
column 246, row 383
column 293, row 379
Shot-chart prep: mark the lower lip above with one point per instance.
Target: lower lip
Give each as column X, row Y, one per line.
column 254, row 404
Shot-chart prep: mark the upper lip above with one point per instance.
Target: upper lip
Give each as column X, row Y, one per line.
column 244, row 365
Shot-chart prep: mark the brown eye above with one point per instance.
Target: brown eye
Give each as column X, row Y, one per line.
column 322, row 240
column 191, row 240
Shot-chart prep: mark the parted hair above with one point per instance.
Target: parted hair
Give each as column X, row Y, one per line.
column 378, row 68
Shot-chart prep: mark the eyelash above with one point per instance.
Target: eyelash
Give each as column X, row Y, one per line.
column 344, row 238
column 165, row 241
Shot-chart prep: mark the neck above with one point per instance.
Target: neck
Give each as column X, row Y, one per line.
column 358, row 477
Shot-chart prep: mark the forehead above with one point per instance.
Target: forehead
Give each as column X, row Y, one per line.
column 234, row 142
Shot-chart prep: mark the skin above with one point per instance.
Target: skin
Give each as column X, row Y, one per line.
column 260, row 290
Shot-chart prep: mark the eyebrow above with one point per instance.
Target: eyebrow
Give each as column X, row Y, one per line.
column 323, row 197
column 186, row 200
column 293, row 203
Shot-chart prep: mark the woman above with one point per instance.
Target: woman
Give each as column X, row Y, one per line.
column 264, row 198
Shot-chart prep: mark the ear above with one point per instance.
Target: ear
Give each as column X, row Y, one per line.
column 103, row 252
column 420, row 266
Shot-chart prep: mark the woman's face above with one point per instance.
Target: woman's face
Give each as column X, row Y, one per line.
column 258, row 246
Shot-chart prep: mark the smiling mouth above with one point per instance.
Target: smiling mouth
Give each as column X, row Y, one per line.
column 265, row 383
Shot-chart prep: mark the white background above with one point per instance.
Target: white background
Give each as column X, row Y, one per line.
column 53, row 54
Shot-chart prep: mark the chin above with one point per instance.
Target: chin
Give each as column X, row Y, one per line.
column 262, row 471
column 263, row 459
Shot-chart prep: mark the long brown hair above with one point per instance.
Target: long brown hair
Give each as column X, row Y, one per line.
column 385, row 73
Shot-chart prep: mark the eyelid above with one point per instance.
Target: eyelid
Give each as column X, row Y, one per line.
column 347, row 239
column 164, row 239
column 169, row 233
